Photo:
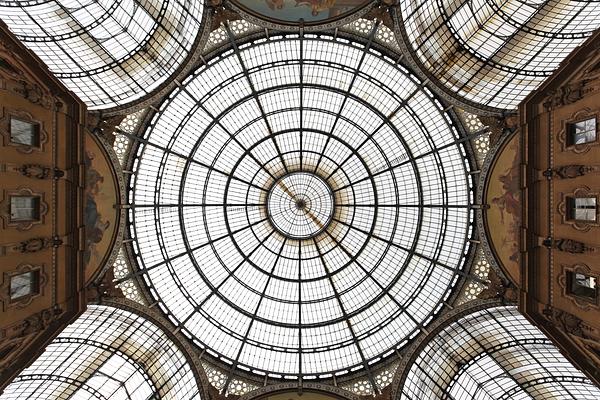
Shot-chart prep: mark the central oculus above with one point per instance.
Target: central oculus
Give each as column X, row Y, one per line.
column 300, row 205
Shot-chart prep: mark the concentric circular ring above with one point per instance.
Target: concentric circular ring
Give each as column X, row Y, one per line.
column 389, row 187
column 300, row 205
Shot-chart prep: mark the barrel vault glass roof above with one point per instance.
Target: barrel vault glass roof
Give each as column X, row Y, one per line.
column 494, row 354
column 108, row 52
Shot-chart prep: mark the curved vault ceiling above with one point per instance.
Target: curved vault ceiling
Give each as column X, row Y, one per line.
column 493, row 354
column 494, row 52
column 109, row 52
column 301, row 206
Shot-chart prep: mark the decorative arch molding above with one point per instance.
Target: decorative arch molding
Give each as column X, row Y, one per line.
column 118, row 180
column 306, row 387
column 481, row 198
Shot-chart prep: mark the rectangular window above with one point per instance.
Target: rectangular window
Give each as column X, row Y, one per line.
column 24, row 208
column 25, row 284
column 582, row 285
column 582, row 208
column 23, row 132
column 581, row 132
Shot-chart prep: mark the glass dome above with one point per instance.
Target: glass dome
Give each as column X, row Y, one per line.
column 301, row 206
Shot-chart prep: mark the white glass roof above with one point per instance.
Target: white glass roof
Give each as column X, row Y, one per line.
column 107, row 353
column 109, row 52
column 288, row 301
column 494, row 354
column 495, row 52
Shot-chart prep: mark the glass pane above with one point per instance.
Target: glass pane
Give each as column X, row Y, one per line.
column 21, row 285
column 24, row 208
column 23, row 132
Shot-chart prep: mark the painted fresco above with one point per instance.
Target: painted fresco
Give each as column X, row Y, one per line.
column 503, row 197
column 295, row 10
column 100, row 216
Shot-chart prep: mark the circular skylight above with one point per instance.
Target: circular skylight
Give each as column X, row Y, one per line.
column 301, row 206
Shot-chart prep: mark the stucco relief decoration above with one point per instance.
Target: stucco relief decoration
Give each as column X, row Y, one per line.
column 22, row 225
column 580, row 225
column 5, row 116
column 25, row 300
column 575, row 117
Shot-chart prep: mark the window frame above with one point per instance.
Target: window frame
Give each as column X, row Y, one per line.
column 572, row 208
column 571, row 130
column 34, row 285
column 37, row 199
column 571, row 276
column 36, row 131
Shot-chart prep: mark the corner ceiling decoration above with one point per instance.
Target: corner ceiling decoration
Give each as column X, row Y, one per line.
column 301, row 206
column 109, row 52
column 494, row 52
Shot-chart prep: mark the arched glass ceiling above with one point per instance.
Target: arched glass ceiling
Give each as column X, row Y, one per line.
column 494, row 354
column 300, row 206
column 107, row 353
column 495, row 52
column 109, row 52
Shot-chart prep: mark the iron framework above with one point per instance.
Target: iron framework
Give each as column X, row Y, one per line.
column 330, row 304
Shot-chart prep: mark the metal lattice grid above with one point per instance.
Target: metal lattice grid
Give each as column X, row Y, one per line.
column 107, row 353
column 340, row 298
column 495, row 52
column 128, row 125
column 494, row 354
column 122, row 273
column 108, row 52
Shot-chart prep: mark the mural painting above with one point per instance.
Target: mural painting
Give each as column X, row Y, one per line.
column 503, row 198
column 295, row 10
column 100, row 216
